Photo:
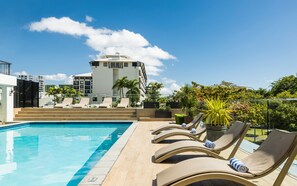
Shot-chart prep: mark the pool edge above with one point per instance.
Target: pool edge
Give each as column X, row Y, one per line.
column 99, row 172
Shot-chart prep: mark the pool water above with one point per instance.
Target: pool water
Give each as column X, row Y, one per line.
column 54, row 154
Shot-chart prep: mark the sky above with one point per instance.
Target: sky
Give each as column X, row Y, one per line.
column 250, row 43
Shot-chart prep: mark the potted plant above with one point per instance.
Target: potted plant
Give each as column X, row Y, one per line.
column 217, row 118
column 153, row 94
column 188, row 101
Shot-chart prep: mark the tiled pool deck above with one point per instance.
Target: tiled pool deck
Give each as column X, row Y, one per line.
column 134, row 166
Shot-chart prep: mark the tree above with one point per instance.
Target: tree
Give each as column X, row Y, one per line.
column 287, row 83
column 120, row 84
column 133, row 92
column 153, row 91
column 54, row 91
column 187, row 98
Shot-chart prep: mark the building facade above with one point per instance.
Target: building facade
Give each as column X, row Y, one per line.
column 109, row 68
column 7, row 83
column 83, row 83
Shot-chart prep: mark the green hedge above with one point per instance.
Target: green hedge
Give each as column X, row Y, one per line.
column 179, row 118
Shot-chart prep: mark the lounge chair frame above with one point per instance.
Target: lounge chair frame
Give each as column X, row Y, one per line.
column 192, row 124
column 287, row 157
column 209, row 152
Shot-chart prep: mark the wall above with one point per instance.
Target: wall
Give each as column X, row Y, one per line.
column 6, row 108
column 151, row 112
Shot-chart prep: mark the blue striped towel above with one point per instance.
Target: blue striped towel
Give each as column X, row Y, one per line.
column 238, row 165
column 184, row 125
column 193, row 131
column 209, row 144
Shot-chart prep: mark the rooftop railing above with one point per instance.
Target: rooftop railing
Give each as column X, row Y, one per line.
column 4, row 67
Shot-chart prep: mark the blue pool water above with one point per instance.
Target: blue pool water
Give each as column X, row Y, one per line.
column 53, row 154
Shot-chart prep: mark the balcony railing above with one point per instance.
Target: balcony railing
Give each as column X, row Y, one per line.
column 4, row 67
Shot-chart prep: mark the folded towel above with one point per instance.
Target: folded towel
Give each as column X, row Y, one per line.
column 238, row 165
column 209, row 144
column 184, row 125
column 193, row 131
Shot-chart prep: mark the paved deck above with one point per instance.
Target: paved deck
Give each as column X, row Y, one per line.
column 134, row 167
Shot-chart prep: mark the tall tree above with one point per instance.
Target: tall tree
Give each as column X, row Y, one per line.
column 120, row 84
column 133, row 92
column 153, row 91
column 286, row 83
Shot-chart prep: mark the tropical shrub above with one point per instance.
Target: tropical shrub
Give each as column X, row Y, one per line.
column 216, row 112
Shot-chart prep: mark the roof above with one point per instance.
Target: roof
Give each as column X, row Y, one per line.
column 89, row 74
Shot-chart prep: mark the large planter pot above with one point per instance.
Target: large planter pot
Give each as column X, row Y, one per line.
column 151, row 104
column 173, row 104
column 188, row 119
column 163, row 114
column 215, row 132
column 179, row 118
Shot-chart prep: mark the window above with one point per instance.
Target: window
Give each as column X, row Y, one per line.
column 81, row 87
column 75, row 83
column 95, row 63
column 87, row 83
column 116, row 65
column 87, row 91
column 87, row 87
column 125, row 64
column 105, row 64
column 95, row 99
column 82, row 82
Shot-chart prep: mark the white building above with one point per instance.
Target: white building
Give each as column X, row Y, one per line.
column 39, row 79
column 7, row 82
column 83, row 83
column 109, row 68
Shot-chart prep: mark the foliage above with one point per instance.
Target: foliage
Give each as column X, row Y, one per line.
column 187, row 98
column 133, row 92
column 120, row 84
column 60, row 93
column 216, row 112
column 249, row 112
column 153, row 91
column 287, row 83
column 283, row 115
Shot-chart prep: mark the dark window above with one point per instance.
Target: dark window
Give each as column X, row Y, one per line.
column 125, row 64
column 75, row 83
column 76, row 87
column 87, row 87
column 95, row 99
column 116, row 65
column 105, row 64
column 87, row 83
column 81, row 86
column 95, row 63
column 134, row 64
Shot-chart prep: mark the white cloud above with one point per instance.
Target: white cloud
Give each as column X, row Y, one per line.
column 106, row 41
column 21, row 73
column 89, row 18
column 166, row 80
column 56, row 77
column 69, row 80
column 170, row 86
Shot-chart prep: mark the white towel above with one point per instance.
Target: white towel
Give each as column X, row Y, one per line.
column 184, row 125
column 193, row 131
column 238, row 165
column 209, row 144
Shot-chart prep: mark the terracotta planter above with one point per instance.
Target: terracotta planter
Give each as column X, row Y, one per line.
column 215, row 132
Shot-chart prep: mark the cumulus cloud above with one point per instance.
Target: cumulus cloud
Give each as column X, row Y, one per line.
column 89, row 18
column 69, row 80
column 56, row 77
column 170, row 86
column 21, row 73
column 106, row 41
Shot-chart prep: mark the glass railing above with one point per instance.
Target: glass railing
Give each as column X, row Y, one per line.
column 4, row 67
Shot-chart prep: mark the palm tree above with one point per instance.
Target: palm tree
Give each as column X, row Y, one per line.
column 120, row 84
column 133, row 92
column 153, row 91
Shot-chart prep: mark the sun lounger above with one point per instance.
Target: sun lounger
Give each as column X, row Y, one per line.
column 279, row 146
column 107, row 103
column 124, row 103
column 192, row 124
column 180, row 132
column 84, row 103
column 235, row 134
column 66, row 102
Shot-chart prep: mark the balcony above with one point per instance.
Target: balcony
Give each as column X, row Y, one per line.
column 4, row 67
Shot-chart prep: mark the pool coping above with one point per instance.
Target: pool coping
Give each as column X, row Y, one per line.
column 100, row 170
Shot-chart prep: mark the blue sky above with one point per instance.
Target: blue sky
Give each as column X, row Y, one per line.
column 247, row 42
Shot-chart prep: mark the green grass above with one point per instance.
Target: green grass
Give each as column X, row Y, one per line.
column 260, row 136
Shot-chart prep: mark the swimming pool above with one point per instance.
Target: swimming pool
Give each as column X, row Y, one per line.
column 55, row 153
